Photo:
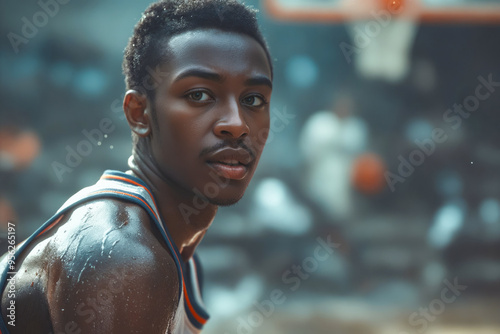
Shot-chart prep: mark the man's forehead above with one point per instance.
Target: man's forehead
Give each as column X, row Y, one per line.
column 216, row 36
column 212, row 48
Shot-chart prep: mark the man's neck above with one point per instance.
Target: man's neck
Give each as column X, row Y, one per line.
column 170, row 198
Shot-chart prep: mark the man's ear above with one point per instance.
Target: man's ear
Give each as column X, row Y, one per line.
column 135, row 106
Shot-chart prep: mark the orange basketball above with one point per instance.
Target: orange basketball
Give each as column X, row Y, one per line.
column 368, row 173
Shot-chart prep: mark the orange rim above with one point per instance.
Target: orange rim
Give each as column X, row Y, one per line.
column 486, row 15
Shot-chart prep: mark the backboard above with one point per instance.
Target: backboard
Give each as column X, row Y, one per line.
column 436, row 11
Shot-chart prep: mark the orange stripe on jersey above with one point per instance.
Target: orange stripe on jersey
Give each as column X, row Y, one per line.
column 49, row 227
column 193, row 312
column 129, row 181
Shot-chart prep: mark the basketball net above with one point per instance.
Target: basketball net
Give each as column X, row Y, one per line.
column 382, row 33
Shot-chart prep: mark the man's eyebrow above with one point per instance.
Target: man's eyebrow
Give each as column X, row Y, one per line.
column 200, row 73
column 259, row 81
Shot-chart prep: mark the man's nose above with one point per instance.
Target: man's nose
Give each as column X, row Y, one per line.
column 232, row 123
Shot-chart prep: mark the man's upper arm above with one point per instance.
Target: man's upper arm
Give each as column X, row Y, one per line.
column 133, row 290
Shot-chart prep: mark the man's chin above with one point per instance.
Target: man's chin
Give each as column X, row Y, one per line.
column 223, row 201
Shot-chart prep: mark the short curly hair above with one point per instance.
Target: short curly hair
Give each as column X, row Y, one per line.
column 164, row 19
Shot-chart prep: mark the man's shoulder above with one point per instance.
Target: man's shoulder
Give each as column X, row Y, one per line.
column 98, row 219
column 110, row 256
column 113, row 232
column 109, row 211
column 103, row 252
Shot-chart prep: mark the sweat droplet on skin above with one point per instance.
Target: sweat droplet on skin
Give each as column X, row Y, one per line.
column 111, row 249
column 104, row 240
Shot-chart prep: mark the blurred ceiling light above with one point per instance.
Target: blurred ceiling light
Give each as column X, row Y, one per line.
column 90, row 82
column 418, row 129
column 301, row 71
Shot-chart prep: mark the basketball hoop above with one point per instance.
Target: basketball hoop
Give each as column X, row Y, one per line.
column 382, row 31
column 435, row 11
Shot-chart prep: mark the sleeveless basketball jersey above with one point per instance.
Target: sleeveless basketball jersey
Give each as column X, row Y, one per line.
column 190, row 315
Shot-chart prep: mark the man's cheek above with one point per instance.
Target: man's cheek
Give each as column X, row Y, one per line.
column 260, row 138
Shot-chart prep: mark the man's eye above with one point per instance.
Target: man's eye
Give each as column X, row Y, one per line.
column 254, row 101
column 199, row 96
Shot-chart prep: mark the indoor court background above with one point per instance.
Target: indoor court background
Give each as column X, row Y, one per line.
column 351, row 107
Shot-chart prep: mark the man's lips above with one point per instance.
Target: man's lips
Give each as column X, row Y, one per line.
column 231, row 163
column 233, row 172
column 231, row 156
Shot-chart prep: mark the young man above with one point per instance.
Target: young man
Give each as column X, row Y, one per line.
column 118, row 257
